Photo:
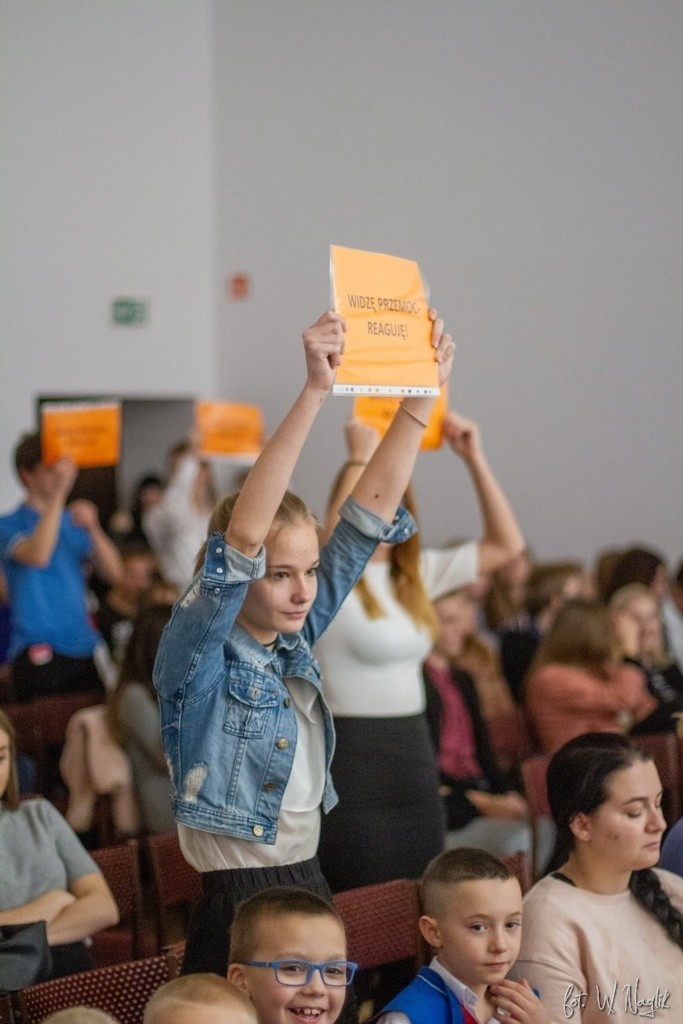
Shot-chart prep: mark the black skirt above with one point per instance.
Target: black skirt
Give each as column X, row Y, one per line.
column 389, row 822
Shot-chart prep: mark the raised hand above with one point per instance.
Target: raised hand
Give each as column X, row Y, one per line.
column 462, row 435
column 361, row 439
column 324, row 345
column 84, row 514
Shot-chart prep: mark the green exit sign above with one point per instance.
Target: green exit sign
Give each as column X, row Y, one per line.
column 129, row 312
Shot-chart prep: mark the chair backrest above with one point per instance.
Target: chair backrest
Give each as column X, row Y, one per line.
column 175, row 882
column 121, row 869
column 533, row 771
column 510, row 736
column 664, row 748
column 519, row 864
column 41, row 727
column 382, row 923
column 122, row 990
column 6, row 1013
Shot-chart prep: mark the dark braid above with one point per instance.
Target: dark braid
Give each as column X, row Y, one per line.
column 647, row 890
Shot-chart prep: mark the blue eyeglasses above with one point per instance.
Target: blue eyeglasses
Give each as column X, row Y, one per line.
column 300, row 972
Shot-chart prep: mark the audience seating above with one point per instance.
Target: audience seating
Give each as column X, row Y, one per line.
column 175, row 883
column 382, row 923
column 511, row 737
column 120, row 866
column 41, row 728
column 121, row 990
column 6, row 689
column 533, row 771
column 664, row 749
column 519, row 864
column 6, row 1015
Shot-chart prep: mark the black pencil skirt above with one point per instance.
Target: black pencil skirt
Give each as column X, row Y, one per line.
column 389, row 822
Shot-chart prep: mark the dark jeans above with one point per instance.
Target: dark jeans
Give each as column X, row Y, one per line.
column 60, row 674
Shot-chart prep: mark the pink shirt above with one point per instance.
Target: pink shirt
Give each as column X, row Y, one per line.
column 457, row 748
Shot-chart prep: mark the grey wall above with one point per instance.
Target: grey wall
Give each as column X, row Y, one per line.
column 107, row 180
column 528, row 155
column 526, row 152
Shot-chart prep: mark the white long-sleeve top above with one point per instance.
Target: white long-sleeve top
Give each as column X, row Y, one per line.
column 175, row 527
column 372, row 668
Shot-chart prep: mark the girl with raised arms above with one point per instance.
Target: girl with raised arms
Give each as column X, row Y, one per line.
column 246, row 731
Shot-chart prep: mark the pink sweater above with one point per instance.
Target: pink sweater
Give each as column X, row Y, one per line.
column 600, row 959
column 564, row 701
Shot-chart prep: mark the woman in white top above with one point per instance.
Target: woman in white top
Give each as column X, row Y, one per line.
column 389, row 820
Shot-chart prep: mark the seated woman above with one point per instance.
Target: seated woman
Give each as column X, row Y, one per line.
column 603, row 934
column 637, row 619
column 483, row 809
column 578, row 683
column 46, row 874
column 135, row 721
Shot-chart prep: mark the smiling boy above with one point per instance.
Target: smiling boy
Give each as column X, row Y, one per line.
column 288, row 953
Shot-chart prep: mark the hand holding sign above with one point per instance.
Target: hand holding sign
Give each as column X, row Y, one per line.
column 323, row 345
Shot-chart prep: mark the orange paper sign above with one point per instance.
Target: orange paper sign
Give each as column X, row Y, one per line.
column 379, row 412
column 387, row 343
column 229, row 429
column 87, row 432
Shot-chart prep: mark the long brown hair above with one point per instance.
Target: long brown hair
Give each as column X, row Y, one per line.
column 10, row 798
column 406, row 580
column 581, row 635
column 138, row 660
column 290, row 511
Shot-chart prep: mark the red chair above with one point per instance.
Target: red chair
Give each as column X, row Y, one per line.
column 533, row 771
column 664, row 748
column 41, row 728
column 121, row 990
column 519, row 864
column 121, row 869
column 511, row 737
column 176, row 884
column 382, row 923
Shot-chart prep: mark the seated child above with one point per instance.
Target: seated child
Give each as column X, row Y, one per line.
column 199, row 999
column 473, row 920
column 288, row 953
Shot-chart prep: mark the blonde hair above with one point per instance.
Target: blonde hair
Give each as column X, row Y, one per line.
column 80, row 1015
column 291, row 510
column 581, row 635
column 621, row 600
column 406, row 581
column 193, row 990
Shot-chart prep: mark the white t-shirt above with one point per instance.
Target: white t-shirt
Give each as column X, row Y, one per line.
column 372, row 668
column 298, row 829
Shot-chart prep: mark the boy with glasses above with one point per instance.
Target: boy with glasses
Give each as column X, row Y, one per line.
column 288, row 953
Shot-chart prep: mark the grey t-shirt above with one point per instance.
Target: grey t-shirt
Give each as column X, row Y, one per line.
column 38, row 852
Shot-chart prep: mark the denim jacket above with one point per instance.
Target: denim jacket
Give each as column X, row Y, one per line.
column 228, row 723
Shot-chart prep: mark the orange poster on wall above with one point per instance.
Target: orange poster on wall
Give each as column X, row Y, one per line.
column 87, row 432
column 230, row 430
column 387, row 348
column 379, row 412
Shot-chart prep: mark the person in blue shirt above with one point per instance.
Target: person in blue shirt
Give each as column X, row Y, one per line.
column 45, row 547
column 245, row 729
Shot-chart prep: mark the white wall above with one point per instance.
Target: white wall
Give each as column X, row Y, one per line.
column 107, row 189
column 528, row 154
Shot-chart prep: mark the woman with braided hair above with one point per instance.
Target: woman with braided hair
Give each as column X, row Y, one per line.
column 603, row 933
